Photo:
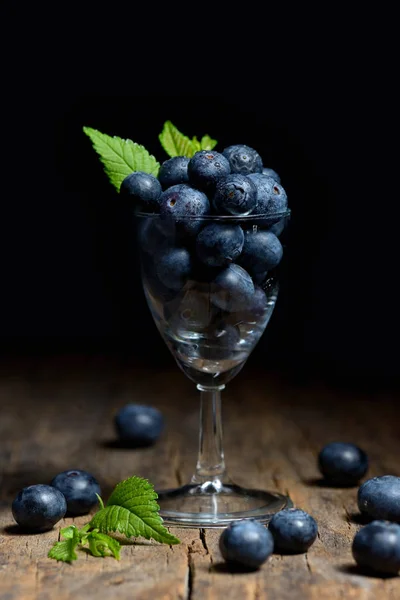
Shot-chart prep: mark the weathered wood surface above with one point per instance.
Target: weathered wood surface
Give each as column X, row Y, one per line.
column 58, row 415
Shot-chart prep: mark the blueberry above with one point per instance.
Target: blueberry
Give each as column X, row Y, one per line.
column 256, row 309
column 271, row 197
column 235, row 195
column 262, row 251
column 218, row 245
column 293, row 531
column 259, row 277
column 271, row 173
column 143, row 188
column 259, row 303
column 342, row 464
column 206, row 168
column 221, row 342
column 379, row 498
column 154, row 286
column 243, row 159
column 173, row 268
column 278, row 227
column 246, row 543
column 183, row 205
column 139, row 425
column 192, row 312
column 233, row 289
column 38, row 507
column 151, row 238
column 174, row 171
column 79, row 489
column 376, row 547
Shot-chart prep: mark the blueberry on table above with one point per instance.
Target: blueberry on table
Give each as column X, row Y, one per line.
column 246, row 543
column 139, row 425
column 232, row 289
column 376, row 547
column 379, row 498
column 262, row 251
column 184, row 205
column 144, row 189
column 235, row 195
column 219, row 245
column 79, row 489
column 174, row 171
column 174, row 267
column 293, row 530
column 206, row 168
column 243, row 159
column 39, row 507
column 271, row 197
column 342, row 464
column 271, row 173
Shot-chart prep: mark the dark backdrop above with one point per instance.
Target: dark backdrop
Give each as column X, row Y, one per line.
column 70, row 279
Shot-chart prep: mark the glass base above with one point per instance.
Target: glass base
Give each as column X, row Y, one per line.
column 213, row 504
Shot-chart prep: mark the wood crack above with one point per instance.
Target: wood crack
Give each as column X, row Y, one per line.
column 308, row 563
column 189, row 576
column 202, row 534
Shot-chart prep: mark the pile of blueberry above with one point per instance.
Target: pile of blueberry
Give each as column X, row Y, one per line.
column 210, row 270
column 376, row 547
column 246, row 544
column 39, row 507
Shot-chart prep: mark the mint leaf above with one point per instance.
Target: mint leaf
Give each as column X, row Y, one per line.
column 69, row 532
column 100, row 501
column 101, row 544
column 207, row 143
column 196, row 144
column 65, row 550
column 175, row 143
column 133, row 511
column 121, row 157
column 84, row 533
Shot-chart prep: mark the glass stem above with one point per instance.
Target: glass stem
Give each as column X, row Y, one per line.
column 210, row 468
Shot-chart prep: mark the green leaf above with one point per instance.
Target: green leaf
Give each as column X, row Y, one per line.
column 101, row 544
column 69, row 532
column 196, row 144
column 207, row 143
column 175, row 143
column 84, row 533
column 65, row 550
column 100, row 501
column 121, row 157
column 133, row 511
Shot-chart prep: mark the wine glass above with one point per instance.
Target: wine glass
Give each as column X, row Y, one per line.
column 211, row 317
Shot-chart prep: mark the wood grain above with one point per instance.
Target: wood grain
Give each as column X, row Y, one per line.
column 58, row 414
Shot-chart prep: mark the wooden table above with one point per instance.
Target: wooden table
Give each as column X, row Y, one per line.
column 58, row 414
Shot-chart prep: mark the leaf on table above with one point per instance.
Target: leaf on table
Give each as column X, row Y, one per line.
column 65, row 550
column 133, row 511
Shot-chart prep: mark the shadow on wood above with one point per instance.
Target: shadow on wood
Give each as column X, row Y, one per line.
column 352, row 569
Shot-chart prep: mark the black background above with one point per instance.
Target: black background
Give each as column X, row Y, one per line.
column 70, row 280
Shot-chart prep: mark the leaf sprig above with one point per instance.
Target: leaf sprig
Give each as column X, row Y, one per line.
column 99, row 544
column 131, row 510
column 177, row 144
column 121, row 157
